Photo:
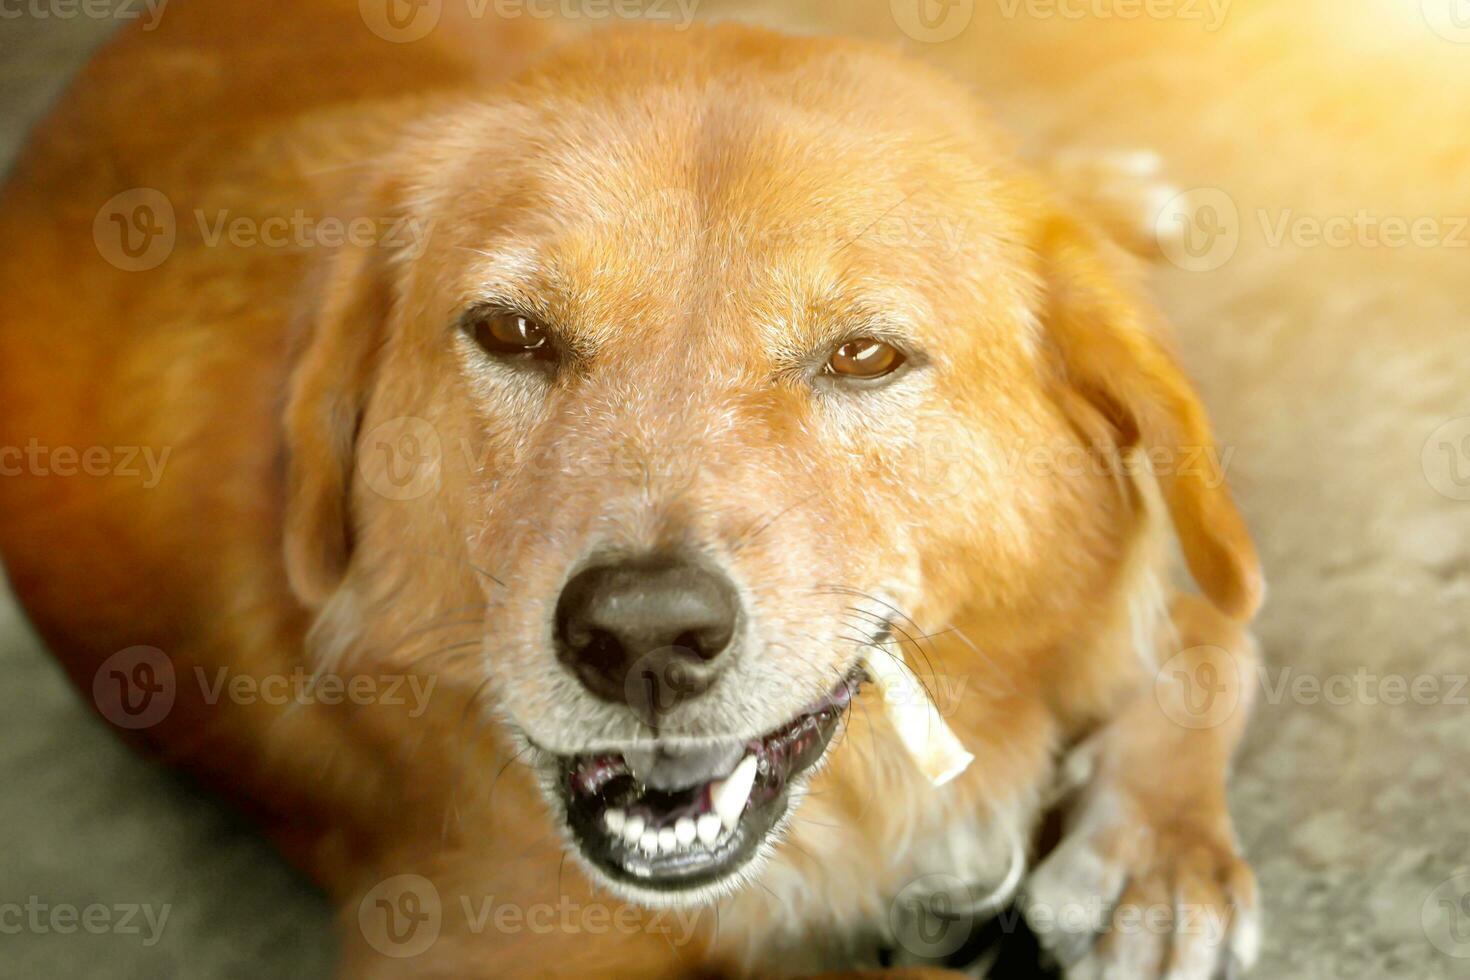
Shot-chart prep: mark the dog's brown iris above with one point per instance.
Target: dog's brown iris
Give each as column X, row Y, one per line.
column 865, row 358
column 508, row 334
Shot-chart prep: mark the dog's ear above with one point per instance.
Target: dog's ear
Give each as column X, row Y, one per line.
column 330, row 386
column 1120, row 383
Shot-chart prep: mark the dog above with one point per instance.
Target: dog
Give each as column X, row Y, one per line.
column 552, row 432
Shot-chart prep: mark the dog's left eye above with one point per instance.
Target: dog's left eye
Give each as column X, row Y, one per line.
column 864, row 359
column 511, row 335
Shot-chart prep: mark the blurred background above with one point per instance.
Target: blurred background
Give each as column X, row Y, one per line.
column 1318, row 272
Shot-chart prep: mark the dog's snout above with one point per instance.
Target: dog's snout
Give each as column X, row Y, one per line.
column 646, row 633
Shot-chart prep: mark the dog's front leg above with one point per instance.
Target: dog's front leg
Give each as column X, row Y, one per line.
column 1148, row 880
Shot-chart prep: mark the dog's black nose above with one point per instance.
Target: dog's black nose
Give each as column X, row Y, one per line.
column 649, row 633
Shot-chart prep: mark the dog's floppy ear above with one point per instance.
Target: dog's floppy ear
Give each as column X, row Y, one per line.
column 1108, row 348
column 330, row 385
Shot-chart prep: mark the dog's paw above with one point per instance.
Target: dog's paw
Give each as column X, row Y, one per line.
column 1119, row 898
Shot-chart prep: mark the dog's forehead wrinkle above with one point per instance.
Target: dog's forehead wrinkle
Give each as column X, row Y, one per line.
column 689, row 180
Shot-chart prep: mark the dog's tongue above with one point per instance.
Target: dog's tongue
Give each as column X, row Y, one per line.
column 662, row 768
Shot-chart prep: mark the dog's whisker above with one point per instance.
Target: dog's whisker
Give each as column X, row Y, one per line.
column 920, row 640
column 918, row 647
column 878, row 220
column 413, row 634
column 852, row 705
column 760, row 527
column 463, row 649
column 495, row 781
column 474, row 709
column 891, row 626
column 460, row 560
column 851, row 592
column 899, row 660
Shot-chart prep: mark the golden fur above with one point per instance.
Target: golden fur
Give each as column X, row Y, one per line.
column 692, row 207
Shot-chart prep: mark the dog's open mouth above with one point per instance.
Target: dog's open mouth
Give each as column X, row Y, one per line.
column 671, row 819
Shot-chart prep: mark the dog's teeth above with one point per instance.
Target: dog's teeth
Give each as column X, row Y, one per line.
column 684, row 831
column 648, row 843
column 667, row 841
column 633, row 829
column 727, row 797
column 708, row 829
column 614, row 820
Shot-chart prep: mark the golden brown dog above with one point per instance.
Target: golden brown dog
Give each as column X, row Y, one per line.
column 544, row 437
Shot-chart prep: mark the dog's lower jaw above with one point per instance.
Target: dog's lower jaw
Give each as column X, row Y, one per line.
column 665, row 824
column 731, row 882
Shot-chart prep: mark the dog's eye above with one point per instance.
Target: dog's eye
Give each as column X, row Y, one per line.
column 864, row 359
column 511, row 335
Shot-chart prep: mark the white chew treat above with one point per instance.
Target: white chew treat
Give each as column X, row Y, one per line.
column 930, row 742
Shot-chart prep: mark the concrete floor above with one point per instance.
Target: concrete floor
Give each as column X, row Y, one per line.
column 1356, row 813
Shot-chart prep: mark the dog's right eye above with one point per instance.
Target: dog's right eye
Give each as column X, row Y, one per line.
column 513, row 336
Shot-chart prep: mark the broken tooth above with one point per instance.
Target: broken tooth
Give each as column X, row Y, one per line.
column 684, row 831
column 614, row 820
column 708, row 829
column 667, row 842
column 727, row 796
column 633, row 829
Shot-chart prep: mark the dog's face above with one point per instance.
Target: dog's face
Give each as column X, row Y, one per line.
column 738, row 353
